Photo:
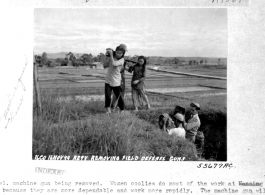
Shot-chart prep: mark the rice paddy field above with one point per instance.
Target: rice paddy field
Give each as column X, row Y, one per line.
column 74, row 122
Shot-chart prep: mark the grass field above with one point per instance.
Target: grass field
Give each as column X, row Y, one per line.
column 77, row 126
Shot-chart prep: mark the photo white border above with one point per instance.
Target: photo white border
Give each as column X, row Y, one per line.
column 245, row 109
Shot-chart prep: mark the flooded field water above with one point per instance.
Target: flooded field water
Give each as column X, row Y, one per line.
column 88, row 84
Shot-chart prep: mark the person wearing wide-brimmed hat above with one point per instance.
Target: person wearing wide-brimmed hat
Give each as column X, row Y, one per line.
column 165, row 120
column 179, row 131
column 193, row 123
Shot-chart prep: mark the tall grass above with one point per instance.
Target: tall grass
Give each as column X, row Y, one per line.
column 77, row 127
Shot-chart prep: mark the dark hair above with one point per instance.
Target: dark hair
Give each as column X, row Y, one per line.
column 178, row 109
column 121, row 49
column 144, row 65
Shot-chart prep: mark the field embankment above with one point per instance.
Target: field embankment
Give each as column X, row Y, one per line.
column 82, row 128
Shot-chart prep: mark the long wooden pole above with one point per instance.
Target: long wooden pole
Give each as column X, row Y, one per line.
column 37, row 89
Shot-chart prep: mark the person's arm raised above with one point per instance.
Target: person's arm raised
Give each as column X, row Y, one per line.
column 113, row 62
column 106, row 63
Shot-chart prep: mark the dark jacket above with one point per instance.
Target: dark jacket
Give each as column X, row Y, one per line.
column 138, row 74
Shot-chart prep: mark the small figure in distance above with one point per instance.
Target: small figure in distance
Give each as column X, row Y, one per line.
column 179, row 131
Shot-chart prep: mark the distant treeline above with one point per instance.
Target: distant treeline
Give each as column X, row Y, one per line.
column 71, row 59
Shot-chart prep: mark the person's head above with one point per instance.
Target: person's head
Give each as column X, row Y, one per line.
column 142, row 60
column 195, row 106
column 124, row 47
column 179, row 109
column 178, row 120
column 119, row 52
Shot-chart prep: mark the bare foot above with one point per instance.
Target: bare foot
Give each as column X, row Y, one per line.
column 148, row 106
column 108, row 110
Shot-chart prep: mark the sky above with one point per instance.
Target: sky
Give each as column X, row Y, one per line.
column 180, row 32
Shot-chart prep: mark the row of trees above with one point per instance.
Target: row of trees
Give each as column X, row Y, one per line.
column 43, row 60
column 70, row 57
column 189, row 62
column 195, row 62
column 77, row 60
column 87, row 59
column 203, row 62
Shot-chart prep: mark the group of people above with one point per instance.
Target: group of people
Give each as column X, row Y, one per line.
column 188, row 130
column 115, row 84
column 115, row 80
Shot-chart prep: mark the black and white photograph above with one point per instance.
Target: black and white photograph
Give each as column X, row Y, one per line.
column 132, row 97
column 130, row 84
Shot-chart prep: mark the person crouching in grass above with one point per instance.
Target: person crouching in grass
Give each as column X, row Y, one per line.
column 138, row 91
column 114, row 64
column 179, row 131
column 165, row 120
